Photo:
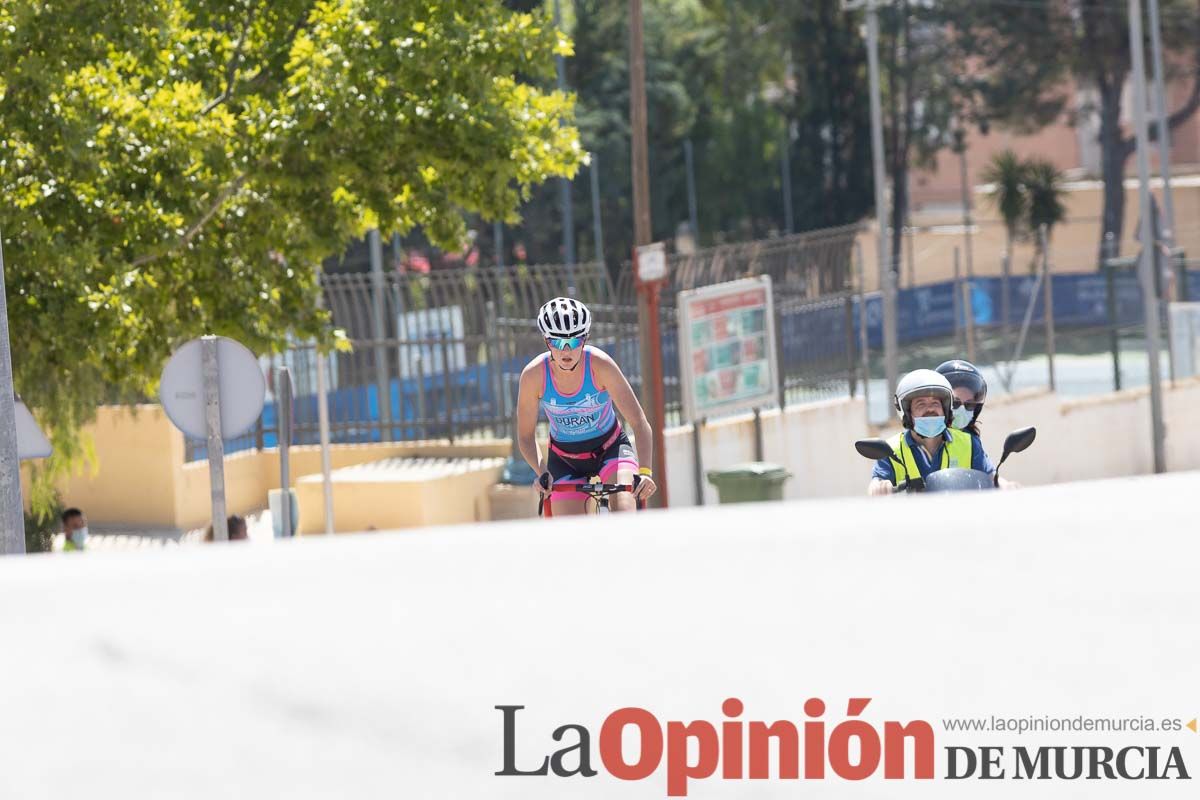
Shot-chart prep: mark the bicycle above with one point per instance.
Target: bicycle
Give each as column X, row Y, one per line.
column 596, row 491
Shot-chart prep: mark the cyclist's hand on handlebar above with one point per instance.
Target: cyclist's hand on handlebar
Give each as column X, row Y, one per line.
column 543, row 484
column 644, row 487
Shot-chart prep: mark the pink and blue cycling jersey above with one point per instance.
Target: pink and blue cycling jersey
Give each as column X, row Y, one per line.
column 581, row 416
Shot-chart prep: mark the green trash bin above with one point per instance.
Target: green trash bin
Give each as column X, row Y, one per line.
column 754, row 482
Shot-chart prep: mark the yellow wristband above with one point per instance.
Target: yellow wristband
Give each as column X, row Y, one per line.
column 649, row 473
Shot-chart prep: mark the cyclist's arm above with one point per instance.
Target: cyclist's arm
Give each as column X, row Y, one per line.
column 609, row 378
column 527, row 415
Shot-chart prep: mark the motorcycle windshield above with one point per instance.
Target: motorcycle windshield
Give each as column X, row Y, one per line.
column 958, row 480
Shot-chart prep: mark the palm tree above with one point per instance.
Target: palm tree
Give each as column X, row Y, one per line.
column 1007, row 173
column 1046, row 206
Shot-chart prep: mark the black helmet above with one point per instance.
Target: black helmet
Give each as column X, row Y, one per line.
column 964, row 374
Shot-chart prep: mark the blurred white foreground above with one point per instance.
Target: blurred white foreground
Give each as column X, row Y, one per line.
column 369, row 666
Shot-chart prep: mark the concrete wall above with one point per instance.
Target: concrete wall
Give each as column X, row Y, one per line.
column 1106, row 436
column 1074, row 247
column 140, row 478
column 250, row 476
column 814, row 441
column 387, row 497
column 139, row 452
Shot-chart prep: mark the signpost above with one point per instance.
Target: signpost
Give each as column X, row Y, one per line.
column 213, row 388
column 650, row 269
column 31, row 442
column 283, row 406
column 727, row 356
column 12, row 515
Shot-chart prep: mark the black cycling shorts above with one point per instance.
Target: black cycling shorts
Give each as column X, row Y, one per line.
column 594, row 461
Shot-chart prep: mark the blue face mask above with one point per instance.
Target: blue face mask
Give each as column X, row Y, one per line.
column 962, row 418
column 929, row 427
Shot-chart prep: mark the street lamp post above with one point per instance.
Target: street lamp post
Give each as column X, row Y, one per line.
column 1146, row 262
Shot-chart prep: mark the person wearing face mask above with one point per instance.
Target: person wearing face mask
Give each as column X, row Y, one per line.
column 925, row 402
column 75, row 530
column 970, row 393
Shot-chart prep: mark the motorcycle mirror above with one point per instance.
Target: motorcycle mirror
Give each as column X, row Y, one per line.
column 1018, row 441
column 874, row 449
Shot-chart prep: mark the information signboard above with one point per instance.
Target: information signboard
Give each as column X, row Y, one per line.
column 727, row 348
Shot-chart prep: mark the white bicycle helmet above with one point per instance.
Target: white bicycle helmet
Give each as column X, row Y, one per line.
column 563, row 318
column 923, row 383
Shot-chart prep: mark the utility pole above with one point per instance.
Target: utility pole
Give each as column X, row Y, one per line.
column 652, row 396
column 568, row 212
column 691, row 190
column 887, row 271
column 12, row 509
column 379, row 327
column 785, row 168
column 960, row 147
column 1146, row 262
column 597, row 226
column 637, row 118
column 1164, row 131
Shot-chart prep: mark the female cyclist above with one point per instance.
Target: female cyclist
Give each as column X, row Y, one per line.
column 581, row 390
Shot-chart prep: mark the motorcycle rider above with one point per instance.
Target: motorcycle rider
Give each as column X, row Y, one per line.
column 925, row 402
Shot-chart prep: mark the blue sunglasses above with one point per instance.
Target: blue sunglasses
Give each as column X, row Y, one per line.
column 565, row 344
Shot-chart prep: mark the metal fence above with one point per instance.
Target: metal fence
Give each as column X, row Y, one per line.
column 439, row 355
column 810, row 274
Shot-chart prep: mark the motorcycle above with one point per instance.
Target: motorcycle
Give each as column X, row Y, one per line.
column 949, row 480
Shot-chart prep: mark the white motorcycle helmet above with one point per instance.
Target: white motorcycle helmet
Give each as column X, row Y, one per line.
column 923, row 383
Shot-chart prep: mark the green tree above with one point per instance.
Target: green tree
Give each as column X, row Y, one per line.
column 1046, row 206
column 1026, row 60
column 924, row 98
column 179, row 167
column 732, row 76
column 598, row 73
column 1007, row 173
column 831, row 157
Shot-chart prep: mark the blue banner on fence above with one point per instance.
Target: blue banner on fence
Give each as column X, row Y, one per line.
column 811, row 333
column 1080, row 301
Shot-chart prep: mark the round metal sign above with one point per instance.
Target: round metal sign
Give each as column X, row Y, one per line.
column 243, row 388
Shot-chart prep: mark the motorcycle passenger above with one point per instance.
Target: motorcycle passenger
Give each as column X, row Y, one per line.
column 924, row 400
column 970, row 393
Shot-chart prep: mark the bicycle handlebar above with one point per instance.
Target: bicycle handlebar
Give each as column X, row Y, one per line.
column 596, row 491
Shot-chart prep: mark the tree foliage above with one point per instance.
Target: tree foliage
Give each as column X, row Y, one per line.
column 1008, row 174
column 734, row 77
column 1027, row 59
column 179, row 167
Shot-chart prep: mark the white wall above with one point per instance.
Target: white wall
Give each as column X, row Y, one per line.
column 1106, row 436
column 814, row 441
